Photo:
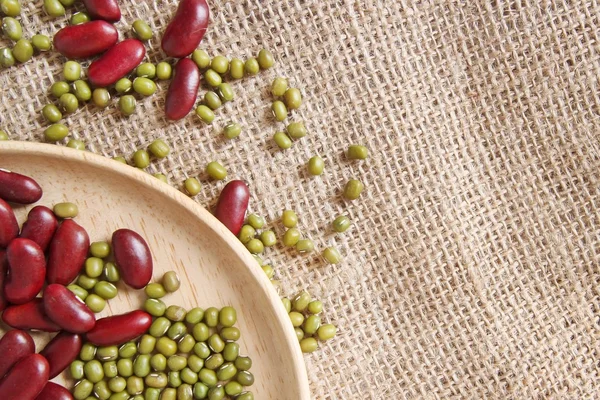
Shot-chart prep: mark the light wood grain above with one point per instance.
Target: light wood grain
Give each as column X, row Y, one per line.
column 214, row 267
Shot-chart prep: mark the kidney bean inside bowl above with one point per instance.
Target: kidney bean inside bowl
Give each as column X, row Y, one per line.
column 54, row 280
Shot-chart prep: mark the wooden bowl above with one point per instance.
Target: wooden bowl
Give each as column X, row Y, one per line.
column 214, row 267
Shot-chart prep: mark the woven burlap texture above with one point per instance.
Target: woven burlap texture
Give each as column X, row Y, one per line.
column 471, row 268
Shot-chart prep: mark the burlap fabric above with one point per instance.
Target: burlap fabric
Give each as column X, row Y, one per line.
column 471, row 269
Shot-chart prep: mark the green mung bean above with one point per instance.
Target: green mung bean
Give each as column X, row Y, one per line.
column 110, row 369
column 230, row 333
column 128, row 350
column 86, row 282
column 301, row 301
column 159, row 148
column 155, row 290
column 269, row 271
column 127, row 105
column 353, row 189
column 279, row 110
column 326, row 332
column 78, row 291
column 100, row 249
column 296, row 130
column 72, row 71
column 296, row 318
column 146, row 344
column 226, row 371
column 177, row 331
column 158, row 362
column 245, row 378
column 101, row 390
column 216, row 170
column 201, row 332
column 251, row 66
column 59, row 88
column 201, row 348
column 175, row 313
column 309, row 345
column 195, row 363
column 311, row 324
column 166, row 346
column 192, row 186
column 214, row 361
column 7, row 59
column 212, row 78
column 125, row 367
column 141, row 30
column 292, row 98
column 357, row 152
column 41, row 42
column 95, row 303
column 161, row 177
column 51, row 113
column 279, row 86
column 186, row 343
column 111, row 272
column 232, row 130
column 12, row 28
column 299, row 333
column 268, row 238
column 93, row 265
column 117, row 384
column 54, row 8
column 83, row 389
column 341, row 224
column 265, row 59
column 76, row 369
column 155, row 307
column 208, row 377
column 225, row 92
column 144, row 86
column 135, row 385
column 82, row 90
column 174, row 379
column 69, row 102
column 76, row 144
column 233, row 388
column 195, row 315
column 243, row 363
column 107, row 353
column 163, row 70
column 123, row 85
column 205, row 113
column 315, row 166
column 201, row 58
column 159, row 327
column 93, row 371
column 156, row 380
column 231, row 351
column 282, row 140
column 216, row 343
column 23, row 50
column 141, row 365
column 236, row 68
column 10, row 8
column 100, row 97
column 56, row 132
column 212, row 100
column 315, row 307
column 176, row 363
column 79, row 18
column 291, row 237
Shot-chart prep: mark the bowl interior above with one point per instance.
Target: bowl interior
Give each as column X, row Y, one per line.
column 214, row 268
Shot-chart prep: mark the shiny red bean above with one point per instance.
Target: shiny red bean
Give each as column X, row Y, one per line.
column 186, row 29
column 40, row 226
column 133, row 258
column 85, row 40
column 26, row 271
column 118, row 329
column 67, row 252
column 117, row 62
column 183, row 89
column 29, row 316
column 26, row 379
column 14, row 346
column 232, row 205
column 9, row 227
column 66, row 310
column 53, row 391
column 18, row 188
column 107, row 10
column 3, row 274
column 61, row 351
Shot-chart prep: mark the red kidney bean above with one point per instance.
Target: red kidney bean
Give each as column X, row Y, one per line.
column 26, row 379
column 61, row 351
column 26, row 271
column 9, row 227
column 186, row 29
column 85, row 40
column 133, row 258
column 117, row 62
column 232, row 205
column 40, row 226
column 14, row 346
column 118, row 329
column 52, row 391
column 183, row 89
column 18, row 188
column 3, row 272
column 66, row 310
column 67, row 252
column 107, row 10
column 29, row 316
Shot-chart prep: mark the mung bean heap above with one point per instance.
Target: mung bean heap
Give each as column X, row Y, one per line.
column 160, row 352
